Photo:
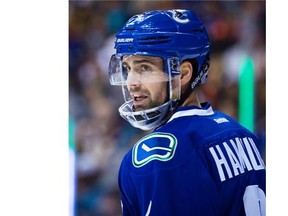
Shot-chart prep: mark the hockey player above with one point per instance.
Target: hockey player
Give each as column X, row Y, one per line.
column 196, row 161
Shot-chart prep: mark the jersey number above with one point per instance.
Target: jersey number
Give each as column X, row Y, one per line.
column 254, row 201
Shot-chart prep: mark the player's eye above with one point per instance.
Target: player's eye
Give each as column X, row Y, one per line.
column 145, row 68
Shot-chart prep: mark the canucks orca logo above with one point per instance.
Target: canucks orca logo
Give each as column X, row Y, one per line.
column 155, row 146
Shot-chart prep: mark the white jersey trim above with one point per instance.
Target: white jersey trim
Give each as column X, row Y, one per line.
column 192, row 112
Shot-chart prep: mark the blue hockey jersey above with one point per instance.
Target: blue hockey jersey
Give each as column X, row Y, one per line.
column 201, row 162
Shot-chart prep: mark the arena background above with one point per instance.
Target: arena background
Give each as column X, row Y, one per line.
column 98, row 136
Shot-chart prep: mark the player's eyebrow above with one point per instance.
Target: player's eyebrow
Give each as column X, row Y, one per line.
column 154, row 62
column 141, row 61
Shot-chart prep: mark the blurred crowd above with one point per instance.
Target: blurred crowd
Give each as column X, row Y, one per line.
column 102, row 137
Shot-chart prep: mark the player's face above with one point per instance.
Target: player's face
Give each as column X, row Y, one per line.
column 146, row 81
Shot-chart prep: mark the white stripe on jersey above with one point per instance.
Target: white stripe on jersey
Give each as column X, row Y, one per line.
column 198, row 112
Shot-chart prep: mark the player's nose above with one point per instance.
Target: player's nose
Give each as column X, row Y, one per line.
column 133, row 79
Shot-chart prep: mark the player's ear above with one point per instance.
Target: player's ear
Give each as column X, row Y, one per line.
column 186, row 69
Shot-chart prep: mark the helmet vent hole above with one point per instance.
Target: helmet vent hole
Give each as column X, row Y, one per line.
column 155, row 40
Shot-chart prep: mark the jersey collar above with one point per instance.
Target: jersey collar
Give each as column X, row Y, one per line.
column 204, row 110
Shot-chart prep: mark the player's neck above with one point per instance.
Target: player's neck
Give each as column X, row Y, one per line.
column 192, row 100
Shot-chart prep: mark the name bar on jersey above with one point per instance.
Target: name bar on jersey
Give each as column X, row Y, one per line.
column 245, row 157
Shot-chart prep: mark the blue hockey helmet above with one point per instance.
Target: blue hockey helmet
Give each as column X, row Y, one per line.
column 174, row 36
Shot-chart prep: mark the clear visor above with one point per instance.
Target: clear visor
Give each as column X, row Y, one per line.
column 129, row 70
column 139, row 69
